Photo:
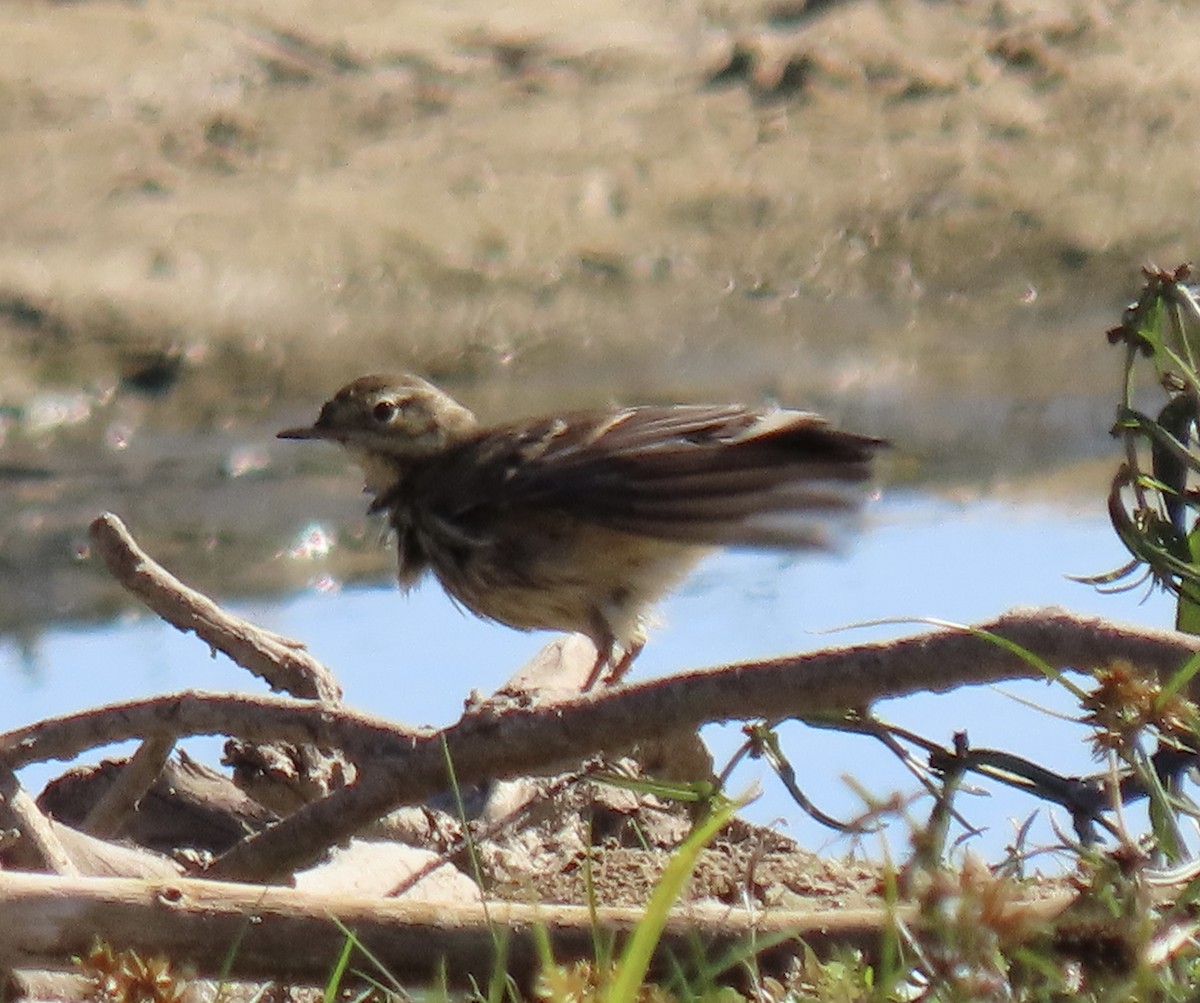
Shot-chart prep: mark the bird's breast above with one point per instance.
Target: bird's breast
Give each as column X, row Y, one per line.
column 553, row 572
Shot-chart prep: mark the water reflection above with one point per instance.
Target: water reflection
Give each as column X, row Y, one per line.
column 210, row 494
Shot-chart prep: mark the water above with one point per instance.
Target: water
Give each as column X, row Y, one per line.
column 919, row 556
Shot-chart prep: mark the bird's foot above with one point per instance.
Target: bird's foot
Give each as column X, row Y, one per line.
column 616, row 669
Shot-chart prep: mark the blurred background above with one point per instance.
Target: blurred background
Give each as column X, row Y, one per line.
column 916, row 217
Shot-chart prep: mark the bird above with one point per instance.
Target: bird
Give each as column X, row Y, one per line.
column 581, row 521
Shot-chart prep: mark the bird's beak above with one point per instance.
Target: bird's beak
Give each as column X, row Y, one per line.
column 307, row 432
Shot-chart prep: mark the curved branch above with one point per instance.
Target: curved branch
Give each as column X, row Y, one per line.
column 499, row 739
column 283, row 663
column 494, row 741
column 177, row 715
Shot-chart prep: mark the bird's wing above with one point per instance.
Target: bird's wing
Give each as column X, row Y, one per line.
column 719, row 474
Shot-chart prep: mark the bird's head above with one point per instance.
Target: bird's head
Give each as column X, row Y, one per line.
column 385, row 421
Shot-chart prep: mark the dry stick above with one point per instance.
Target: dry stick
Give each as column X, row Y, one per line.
column 255, row 718
column 495, row 742
column 503, row 741
column 108, row 815
column 39, row 848
column 33, row 984
column 282, row 662
column 407, row 766
column 47, row 919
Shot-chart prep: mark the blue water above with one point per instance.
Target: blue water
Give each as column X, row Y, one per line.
column 414, row 659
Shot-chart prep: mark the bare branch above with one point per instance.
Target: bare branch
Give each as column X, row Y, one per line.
column 137, row 776
column 283, row 663
column 497, row 739
column 39, row 847
column 494, row 741
column 193, row 922
column 253, row 718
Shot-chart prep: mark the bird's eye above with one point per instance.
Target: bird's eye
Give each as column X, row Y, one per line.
column 384, row 411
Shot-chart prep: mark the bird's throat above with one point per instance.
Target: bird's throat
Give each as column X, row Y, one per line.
column 382, row 473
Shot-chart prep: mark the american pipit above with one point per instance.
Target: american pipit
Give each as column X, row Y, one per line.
column 581, row 521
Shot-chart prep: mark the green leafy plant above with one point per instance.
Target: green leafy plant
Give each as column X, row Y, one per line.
column 1153, row 502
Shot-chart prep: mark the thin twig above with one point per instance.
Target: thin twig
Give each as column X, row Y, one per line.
column 284, row 664
column 108, row 815
column 39, row 848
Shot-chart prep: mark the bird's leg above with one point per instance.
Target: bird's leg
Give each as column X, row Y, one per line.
column 605, row 640
column 606, row 645
column 617, row 670
column 603, row 658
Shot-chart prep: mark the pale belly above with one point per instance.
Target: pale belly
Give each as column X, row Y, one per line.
column 588, row 579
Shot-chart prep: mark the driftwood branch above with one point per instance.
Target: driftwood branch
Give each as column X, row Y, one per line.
column 254, row 718
column 108, row 815
column 283, row 663
column 39, row 845
column 496, row 740
column 195, row 923
column 508, row 738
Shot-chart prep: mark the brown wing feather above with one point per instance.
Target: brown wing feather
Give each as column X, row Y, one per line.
column 701, row 474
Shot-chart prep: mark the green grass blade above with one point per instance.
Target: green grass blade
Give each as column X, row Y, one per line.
column 635, row 960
